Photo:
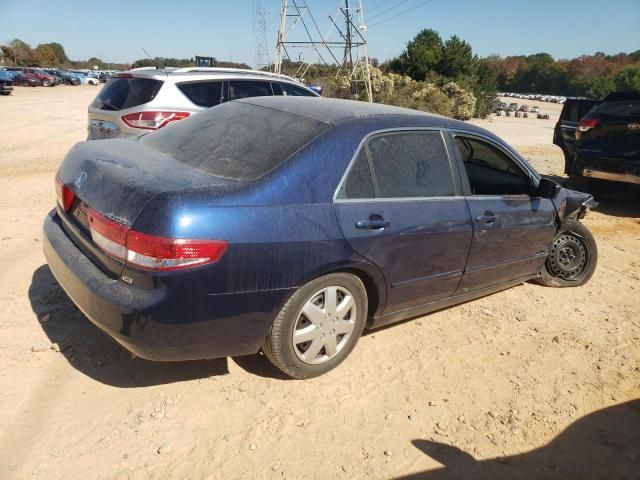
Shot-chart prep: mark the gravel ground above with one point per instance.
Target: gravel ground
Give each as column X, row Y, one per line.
column 531, row 382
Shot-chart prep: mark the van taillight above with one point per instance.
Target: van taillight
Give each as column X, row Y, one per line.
column 150, row 252
column 153, row 120
column 585, row 125
column 65, row 194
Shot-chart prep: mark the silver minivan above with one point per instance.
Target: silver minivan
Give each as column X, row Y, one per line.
column 145, row 99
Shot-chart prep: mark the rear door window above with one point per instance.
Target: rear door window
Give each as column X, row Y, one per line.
column 248, row 88
column 358, row 183
column 410, row 164
column 204, row 94
column 122, row 93
column 288, row 90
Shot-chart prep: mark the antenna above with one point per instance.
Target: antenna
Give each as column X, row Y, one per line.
column 352, row 41
column 147, row 53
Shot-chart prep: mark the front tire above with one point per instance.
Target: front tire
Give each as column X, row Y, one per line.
column 573, row 257
column 318, row 326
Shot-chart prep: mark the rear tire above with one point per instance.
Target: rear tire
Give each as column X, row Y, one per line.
column 318, row 326
column 572, row 259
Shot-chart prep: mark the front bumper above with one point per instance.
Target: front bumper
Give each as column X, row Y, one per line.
column 165, row 323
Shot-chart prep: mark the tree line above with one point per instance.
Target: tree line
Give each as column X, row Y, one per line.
column 444, row 77
column 20, row 53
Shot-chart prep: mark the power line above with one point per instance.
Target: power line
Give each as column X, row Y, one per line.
column 401, row 13
column 377, row 5
column 388, row 9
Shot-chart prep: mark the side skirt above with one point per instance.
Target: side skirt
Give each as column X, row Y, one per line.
column 419, row 310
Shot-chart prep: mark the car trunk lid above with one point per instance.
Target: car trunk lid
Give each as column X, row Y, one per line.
column 117, row 178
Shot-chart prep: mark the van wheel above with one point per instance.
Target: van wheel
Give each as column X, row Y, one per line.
column 573, row 257
column 318, row 326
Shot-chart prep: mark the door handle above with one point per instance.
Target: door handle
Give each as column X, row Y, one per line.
column 487, row 220
column 372, row 224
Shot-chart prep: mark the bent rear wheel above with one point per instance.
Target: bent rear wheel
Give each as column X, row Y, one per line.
column 319, row 326
column 572, row 259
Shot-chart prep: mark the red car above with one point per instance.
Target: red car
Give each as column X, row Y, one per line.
column 27, row 80
column 45, row 79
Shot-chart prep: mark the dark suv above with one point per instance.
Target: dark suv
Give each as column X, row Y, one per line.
column 564, row 134
column 608, row 140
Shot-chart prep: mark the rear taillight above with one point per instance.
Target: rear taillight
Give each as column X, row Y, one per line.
column 150, row 252
column 153, row 120
column 65, row 195
column 585, row 125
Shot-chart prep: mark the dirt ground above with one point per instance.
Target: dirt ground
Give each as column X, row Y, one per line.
column 532, row 382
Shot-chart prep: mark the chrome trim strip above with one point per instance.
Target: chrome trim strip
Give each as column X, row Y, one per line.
column 419, row 280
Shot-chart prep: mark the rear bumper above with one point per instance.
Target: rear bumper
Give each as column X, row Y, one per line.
column 607, row 168
column 616, row 177
column 165, row 323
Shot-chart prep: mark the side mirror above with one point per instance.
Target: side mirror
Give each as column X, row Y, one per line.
column 548, row 188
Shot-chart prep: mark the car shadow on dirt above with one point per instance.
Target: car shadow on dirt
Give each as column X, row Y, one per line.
column 603, row 444
column 614, row 198
column 94, row 353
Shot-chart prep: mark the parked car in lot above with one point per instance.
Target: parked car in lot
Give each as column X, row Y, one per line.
column 43, row 78
column 6, row 82
column 608, row 140
column 146, row 99
column 512, row 107
column 523, row 108
column 26, row 80
column 564, row 133
column 534, row 109
column 63, row 77
column 291, row 224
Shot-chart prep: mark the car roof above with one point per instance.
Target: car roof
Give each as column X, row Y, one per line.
column 330, row 110
column 337, row 111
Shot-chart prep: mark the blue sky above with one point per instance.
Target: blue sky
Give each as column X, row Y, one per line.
column 116, row 30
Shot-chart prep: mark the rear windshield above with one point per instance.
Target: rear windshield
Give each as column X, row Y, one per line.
column 236, row 140
column 574, row 110
column 621, row 108
column 123, row 93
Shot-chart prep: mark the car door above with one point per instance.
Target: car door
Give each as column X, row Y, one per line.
column 400, row 206
column 512, row 227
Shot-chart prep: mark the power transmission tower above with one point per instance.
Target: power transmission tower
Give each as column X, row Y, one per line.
column 352, row 41
column 260, row 29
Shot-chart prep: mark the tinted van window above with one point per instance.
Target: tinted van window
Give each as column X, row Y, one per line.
column 204, row 94
column 235, row 140
column 410, row 164
column 123, row 93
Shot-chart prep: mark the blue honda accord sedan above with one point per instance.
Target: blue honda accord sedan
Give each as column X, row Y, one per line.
column 289, row 225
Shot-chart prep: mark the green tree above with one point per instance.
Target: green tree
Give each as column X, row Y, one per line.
column 45, row 56
column 458, row 59
column 23, row 55
column 58, row 49
column 628, row 78
column 423, row 54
